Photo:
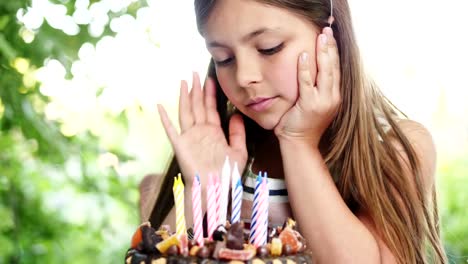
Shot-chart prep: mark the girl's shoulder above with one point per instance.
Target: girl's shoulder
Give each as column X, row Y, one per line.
column 410, row 128
column 149, row 189
column 417, row 134
column 421, row 140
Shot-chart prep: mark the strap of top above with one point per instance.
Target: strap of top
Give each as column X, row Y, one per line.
column 277, row 187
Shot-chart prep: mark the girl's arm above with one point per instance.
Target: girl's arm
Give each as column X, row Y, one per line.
column 333, row 232
column 149, row 191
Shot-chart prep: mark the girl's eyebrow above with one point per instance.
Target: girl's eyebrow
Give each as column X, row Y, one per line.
column 246, row 38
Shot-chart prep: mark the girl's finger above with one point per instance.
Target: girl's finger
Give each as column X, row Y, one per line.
column 209, row 91
column 198, row 105
column 324, row 67
column 334, row 60
column 171, row 131
column 306, row 82
column 237, row 133
column 185, row 112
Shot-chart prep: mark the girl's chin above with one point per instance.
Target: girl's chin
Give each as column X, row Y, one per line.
column 267, row 123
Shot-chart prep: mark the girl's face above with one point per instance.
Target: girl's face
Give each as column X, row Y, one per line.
column 256, row 49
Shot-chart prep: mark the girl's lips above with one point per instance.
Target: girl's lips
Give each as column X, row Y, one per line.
column 261, row 104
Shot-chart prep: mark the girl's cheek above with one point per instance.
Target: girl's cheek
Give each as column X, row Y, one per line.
column 228, row 86
column 289, row 84
column 222, row 82
column 285, row 75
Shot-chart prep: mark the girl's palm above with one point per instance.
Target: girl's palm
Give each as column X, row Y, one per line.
column 201, row 146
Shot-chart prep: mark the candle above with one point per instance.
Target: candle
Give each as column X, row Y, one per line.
column 259, row 233
column 262, row 228
column 197, row 211
column 217, row 191
column 212, row 216
column 236, row 195
column 255, row 212
column 266, row 196
column 224, row 193
column 178, row 191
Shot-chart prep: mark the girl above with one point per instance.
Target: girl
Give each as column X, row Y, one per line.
column 287, row 94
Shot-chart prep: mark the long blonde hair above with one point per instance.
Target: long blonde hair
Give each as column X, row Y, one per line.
column 365, row 165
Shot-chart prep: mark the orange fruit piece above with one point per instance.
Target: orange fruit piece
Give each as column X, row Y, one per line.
column 193, row 251
column 136, row 238
column 288, row 237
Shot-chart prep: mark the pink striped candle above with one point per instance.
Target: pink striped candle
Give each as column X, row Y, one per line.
column 266, row 196
column 217, row 184
column 197, row 211
column 267, row 201
column 212, row 215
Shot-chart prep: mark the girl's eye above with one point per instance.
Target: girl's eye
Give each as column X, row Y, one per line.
column 267, row 52
column 223, row 62
column 273, row 50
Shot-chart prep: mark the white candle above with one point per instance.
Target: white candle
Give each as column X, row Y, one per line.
column 225, row 180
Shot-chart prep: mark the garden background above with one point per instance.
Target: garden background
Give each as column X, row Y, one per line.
column 79, row 84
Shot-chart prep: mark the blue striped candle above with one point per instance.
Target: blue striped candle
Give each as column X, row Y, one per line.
column 253, row 222
column 236, row 195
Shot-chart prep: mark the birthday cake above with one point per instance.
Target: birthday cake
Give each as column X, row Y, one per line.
column 228, row 244
column 216, row 240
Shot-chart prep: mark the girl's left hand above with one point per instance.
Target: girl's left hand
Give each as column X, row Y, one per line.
column 319, row 96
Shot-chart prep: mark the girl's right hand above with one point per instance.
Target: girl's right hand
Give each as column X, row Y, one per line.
column 201, row 146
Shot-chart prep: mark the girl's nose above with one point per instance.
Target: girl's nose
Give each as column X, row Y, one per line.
column 248, row 72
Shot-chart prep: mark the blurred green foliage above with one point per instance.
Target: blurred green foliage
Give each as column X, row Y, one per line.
column 44, row 174
column 453, row 184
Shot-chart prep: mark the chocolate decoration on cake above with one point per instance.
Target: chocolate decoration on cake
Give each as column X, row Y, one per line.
column 220, row 233
column 287, row 249
column 235, row 236
column 203, row 253
column 172, row 250
column 150, row 239
column 262, row 251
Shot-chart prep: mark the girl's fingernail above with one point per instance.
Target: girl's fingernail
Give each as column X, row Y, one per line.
column 323, row 38
column 304, row 58
column 329, row 31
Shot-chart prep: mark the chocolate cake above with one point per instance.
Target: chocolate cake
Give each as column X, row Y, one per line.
column 229, row 244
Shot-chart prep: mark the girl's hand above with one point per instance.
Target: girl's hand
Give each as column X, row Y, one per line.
column 201, row 146
column 319, row 95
